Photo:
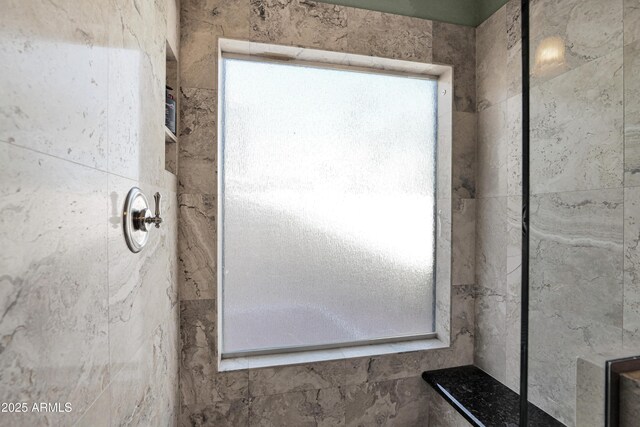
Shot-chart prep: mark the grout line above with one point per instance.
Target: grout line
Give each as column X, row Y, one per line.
column 74, row 162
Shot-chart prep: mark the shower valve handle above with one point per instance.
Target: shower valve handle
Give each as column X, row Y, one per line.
column 156, row 219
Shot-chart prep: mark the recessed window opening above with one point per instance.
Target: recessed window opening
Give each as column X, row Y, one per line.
column 328, row 203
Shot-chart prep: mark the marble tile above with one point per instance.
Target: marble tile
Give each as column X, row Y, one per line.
column 228, row 18
column 99, row 414
column 200, row 381
column 490, row 332
column 590, row 394
column 399, row 402
column 514, row 49
column 286, row 379
column 197, row 246
column 631, row 319
column 145, row 391
column 324, row 407
column 576, row 128
column 632, row 114
column 514, row 146
column 513, row 296
column 70, row 39
column 201, row 23
column 463, row 325
column 463, row 236
column 590, row 30
column 554, row 347
column 443, row 270
column 198, row 142
column 442, row 413
column 514, row 70
column 491, row 243
column 136, row 83
column 199, row 124
column 464, row 155
column 54, row 322
column 514, row 31
column 576, row 254
column 491, row 60
column 382, row 368
column 629, row 399
column 142, row 286
column 575, row 290
column 231, row 413
column 492, row 152
column 631, row 21
column 299, row 22
column 455, row 45
column 383, row 34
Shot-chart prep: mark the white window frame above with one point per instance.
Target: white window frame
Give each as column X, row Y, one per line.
column 228, row 48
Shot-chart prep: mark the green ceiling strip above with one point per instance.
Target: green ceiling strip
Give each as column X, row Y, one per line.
column 463, row 12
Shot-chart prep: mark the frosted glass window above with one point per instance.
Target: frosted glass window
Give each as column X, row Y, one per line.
column 328, row 184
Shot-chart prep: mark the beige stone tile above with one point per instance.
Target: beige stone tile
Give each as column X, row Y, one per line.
column 442, row 413
column 202, row 23
column 514, row 23
column 455, row 45
column 490, row 332
column 631, row 114
column 631, row 21
column 231, row 413
column 576, row 128
column 491, row 244
column 491, row 60
column 443, row 269
column 464, row 155
column 492, row 152
column 299, row 22
column 397, row 402
column 631, row 319
column 198, row 142
column 576, row 290
column 200, row 381
column 463, row 326
column 463, row 242
column 286, row 379
column 383, row 368
column 514, row 146
column 387, row 35
column 590, row 29
column 324, row 407
column 513, row 296
column 197, row 246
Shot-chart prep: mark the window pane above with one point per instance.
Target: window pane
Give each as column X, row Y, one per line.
column 328, row 205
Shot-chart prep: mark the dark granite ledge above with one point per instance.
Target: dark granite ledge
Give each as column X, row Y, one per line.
column 482, row 400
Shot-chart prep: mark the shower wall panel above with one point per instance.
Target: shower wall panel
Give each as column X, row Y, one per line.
column 499, row 190
column 583, row 195
column 352, row 391
column 84, row 320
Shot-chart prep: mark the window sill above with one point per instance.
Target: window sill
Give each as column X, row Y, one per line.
column 313, row 356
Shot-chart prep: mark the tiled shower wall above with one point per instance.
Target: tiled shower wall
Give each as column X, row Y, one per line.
column 370, row 390
column 83, row 320
column 585, row 121
column 499, row 192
